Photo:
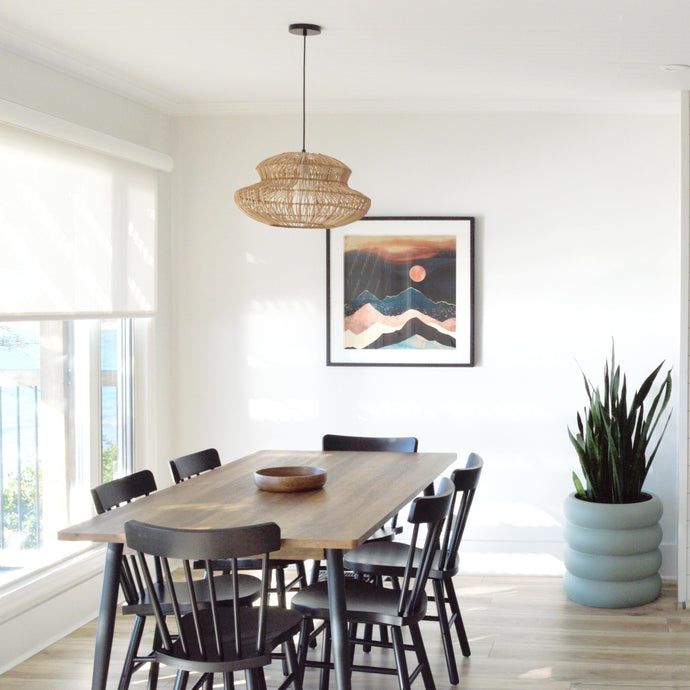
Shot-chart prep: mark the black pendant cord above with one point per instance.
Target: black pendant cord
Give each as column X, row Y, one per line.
column 304, row 93
column 304, row 30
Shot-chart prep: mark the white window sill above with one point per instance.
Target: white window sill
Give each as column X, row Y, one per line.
column 39, row 586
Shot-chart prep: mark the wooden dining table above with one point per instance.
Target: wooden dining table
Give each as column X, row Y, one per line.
column 363, row 490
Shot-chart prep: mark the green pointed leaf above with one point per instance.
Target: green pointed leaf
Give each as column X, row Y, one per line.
column 579, row 489
column 614, row 437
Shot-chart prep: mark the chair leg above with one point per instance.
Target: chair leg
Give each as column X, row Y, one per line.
column 368, row 627
column 153, row 676
column 383, row 630
column 280, row 586
column 459, row 625
column 400, row 661
column 154, row 667
column 128, row 665
column 228, row 681
column 368, row 635
column 312, row 634
column 324, row 676
column 445, row 631
column 255, row 679
column 181, row 680
column 315, row 570
column 282, row 602
column 418, row 642
column 352, row 634
column 203, row 682
column 304, row 644
column 293, row 664
column 302, row 574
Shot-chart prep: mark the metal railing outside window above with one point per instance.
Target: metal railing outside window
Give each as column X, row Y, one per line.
column 65, row 425
column 20, row 508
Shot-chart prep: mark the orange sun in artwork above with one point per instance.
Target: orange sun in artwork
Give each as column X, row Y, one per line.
column 417, row 273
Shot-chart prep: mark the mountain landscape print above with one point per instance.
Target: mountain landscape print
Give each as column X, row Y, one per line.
column 400, row 292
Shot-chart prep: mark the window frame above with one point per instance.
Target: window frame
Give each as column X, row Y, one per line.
column 81, row 463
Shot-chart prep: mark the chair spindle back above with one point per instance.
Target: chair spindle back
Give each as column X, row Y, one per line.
column 203, row 638
column 109, row 496
column 430, row 511
column 465, row 480
column 188, row 466
column 397, row 444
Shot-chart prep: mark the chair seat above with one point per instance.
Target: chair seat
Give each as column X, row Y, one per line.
column 281, row 625
column 249, row 591
column 388, row 559
column 365, row 603
column 386, row 533
column 249, row 563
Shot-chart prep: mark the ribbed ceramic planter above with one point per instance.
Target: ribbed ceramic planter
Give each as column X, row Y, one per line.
column 612, row 556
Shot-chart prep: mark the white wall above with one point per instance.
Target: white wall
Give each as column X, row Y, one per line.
column 577, row 239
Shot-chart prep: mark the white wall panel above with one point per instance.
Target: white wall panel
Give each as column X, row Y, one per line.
column 684, row 314
column 577, row 241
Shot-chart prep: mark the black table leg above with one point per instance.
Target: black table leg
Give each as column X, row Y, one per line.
column 106, row 616
column 336, row 605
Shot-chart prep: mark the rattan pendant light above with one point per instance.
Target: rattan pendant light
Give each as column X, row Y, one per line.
column 300, row 189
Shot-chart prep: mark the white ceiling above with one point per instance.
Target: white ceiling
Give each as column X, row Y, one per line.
column 193, row 56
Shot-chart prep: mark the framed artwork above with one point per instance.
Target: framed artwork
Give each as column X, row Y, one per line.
column 401, row 292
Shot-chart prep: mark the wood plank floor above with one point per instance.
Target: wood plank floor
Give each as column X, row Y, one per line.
column 523, row 631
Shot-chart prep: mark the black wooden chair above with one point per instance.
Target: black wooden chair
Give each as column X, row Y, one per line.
column 389, row 559
column 368, row 444
column 210, row 638
column 137, row 597
column 392, row 444
column 369, row 603
column 194, row 464
column 398, row 444
column 188, row 466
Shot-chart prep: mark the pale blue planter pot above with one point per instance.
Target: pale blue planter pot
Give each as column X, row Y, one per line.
column 612, row 555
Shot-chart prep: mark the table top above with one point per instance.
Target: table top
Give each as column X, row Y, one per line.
column 363, row 490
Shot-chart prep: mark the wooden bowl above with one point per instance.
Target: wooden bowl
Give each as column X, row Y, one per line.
column 290, row 479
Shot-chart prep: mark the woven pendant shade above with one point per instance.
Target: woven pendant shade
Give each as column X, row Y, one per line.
column 302, row 190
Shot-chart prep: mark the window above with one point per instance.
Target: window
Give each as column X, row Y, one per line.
column 65, row 426
column 77, row 263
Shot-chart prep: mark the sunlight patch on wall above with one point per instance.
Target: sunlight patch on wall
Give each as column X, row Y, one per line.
column 515, row 513
column 289, row 410
column 513, row 563
column 282, row 306
column 396, row 410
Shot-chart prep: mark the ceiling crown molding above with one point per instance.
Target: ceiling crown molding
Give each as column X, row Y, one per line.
column 100, row 77
column 92, row 74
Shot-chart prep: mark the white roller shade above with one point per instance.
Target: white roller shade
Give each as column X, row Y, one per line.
column 77, row 231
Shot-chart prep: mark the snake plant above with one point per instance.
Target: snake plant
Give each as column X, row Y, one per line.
column 613, row 441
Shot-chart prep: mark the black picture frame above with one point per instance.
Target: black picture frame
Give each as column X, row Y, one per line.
column 400, row 292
